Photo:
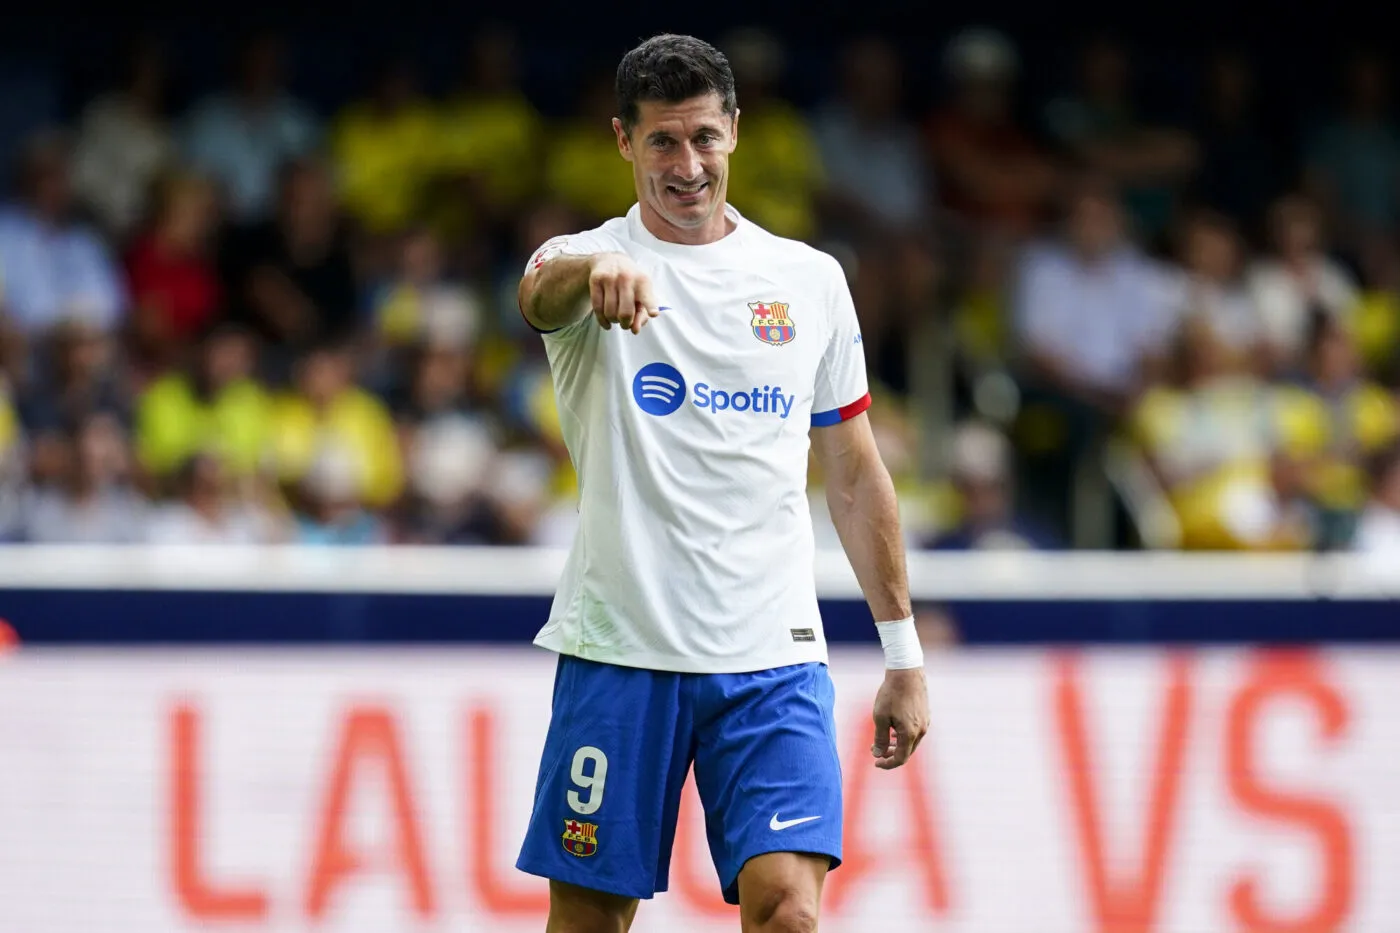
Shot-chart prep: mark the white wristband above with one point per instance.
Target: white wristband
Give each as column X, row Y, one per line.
column 901, row 643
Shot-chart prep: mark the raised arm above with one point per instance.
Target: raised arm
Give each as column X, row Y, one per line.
column 563, row 289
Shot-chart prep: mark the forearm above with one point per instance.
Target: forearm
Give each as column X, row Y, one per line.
column 866, row 515
column 556, row 294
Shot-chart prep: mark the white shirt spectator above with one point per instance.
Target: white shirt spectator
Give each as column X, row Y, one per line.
column 49, row 275
column 1099, row 318
column 177, row 523
column 110, row 516
column 119, row 153
column 1378, row 531
column 244, row 148
column 1284, row 303
column 1230, row 309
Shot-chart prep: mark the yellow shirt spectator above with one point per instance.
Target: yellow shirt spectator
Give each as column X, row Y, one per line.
column 496, row 138
column 384, row 160
column 1211, row 446
column 586, row 172
column 775, row 172
column 1332, row 437
column 354, row 420
column 9, row 423
column 173, row 422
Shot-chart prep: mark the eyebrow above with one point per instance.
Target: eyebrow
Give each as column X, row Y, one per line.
column 656, row 135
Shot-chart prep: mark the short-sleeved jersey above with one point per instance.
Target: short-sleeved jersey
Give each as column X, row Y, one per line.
column 694, row 550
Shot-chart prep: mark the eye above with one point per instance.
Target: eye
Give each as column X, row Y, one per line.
column 705, row 139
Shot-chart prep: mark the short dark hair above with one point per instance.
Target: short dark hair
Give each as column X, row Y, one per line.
column 672, row 68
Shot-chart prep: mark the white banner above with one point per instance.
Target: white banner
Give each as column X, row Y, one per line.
column 366, row 792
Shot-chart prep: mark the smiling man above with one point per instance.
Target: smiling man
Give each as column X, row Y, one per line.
column 686, row 620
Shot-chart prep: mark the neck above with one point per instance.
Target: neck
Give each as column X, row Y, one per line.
column 716, row 228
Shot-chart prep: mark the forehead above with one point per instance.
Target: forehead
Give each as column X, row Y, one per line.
column 665, row 116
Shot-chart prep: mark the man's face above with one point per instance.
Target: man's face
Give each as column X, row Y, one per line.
column 1095, row 226
column 680, row 158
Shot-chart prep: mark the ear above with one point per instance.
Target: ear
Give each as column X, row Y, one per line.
column 624, row 142
column 734, row 130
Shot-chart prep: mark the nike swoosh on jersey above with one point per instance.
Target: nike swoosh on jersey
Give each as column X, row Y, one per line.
column 776, row 824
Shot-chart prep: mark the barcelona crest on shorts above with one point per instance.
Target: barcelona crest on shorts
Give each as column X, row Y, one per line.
column 580, row 839
column 771, row 323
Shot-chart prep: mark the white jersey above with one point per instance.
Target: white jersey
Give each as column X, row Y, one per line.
column 694, row 550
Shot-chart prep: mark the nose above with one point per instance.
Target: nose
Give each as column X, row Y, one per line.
column 688, row 164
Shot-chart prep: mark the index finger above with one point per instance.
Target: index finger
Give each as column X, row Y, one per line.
column 645, row 298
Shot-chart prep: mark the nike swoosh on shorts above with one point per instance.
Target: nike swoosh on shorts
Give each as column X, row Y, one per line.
column 776, row 824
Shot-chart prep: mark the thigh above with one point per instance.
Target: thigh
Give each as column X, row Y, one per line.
column 582, row 910
column 767, row 769
column 610, row 778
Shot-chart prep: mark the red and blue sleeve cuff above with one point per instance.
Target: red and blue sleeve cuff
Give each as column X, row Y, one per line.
column 823, row 419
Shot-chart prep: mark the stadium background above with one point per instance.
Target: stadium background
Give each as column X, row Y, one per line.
column 1135, row 351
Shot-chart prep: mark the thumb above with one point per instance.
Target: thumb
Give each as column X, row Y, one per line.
column 881, row 748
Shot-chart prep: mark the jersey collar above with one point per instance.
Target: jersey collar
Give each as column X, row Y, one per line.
column 724, row 246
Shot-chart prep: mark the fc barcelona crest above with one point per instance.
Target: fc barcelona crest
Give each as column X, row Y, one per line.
column 580, row 839
column 771, row 323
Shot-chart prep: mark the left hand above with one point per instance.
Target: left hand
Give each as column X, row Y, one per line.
column 901, row 717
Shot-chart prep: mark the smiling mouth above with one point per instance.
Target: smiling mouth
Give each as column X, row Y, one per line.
column 688, row 191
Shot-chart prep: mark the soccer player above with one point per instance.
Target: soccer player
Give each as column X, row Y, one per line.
column 697, row 359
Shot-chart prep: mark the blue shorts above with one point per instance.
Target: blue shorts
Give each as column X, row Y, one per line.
column 621, row 741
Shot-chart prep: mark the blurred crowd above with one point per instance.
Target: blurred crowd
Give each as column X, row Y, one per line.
column 1088, row 321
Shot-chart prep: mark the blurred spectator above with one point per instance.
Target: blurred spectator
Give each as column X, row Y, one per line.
column 1091, row 306
column 518, row 489
column 206, row 511
column 583, row 168
column 775, row 174
column 12, row 463
column 449, row 462
column 990, row 170
column 53, row 269
column 214, row 406
column 77, row 377
column 1099, row 124
column 124, row 142
column 330, row 507
column 875, row 168
column 90, row 503
column 384, row 149
column 1330, row 422
column 1091, row 314
column 242, row 136
column 1299, row 280
column 1354, row 161
column 981, row 473
column 1378, row 531
column 1375, row 318
column 1208, row 437
column 421, row 304
column 327, row 408
column 175, row 287
column 291, row 278
column 1210, row 284
column 1240, row 167
column 490, row 137
column 437, row 383
column 982, row 330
